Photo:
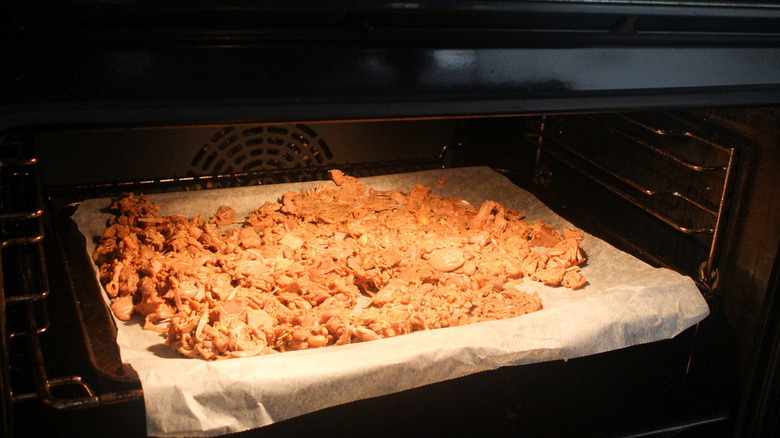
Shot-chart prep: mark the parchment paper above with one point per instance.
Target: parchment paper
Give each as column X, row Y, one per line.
column 626, row 302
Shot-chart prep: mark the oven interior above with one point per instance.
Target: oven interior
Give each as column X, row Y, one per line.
column 651, row 125
column 683, row 189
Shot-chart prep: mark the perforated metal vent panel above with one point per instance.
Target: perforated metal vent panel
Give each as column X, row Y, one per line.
column 242, row 149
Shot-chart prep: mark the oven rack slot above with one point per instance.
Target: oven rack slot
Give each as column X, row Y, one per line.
column 676, row 201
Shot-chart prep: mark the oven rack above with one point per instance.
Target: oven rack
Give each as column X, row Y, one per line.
column 24, row 292
column 675, row 202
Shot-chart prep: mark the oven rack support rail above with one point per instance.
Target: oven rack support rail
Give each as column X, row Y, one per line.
column 24, row 290
column 641, row 193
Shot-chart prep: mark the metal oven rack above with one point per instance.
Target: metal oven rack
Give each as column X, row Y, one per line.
column 657, row 163
column 24, row 291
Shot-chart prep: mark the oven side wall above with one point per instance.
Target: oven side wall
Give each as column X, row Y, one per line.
column 755, row 233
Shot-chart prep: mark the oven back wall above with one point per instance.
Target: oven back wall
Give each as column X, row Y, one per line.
column 100, row 156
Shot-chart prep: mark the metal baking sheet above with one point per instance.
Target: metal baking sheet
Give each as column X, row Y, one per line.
column 626, row 302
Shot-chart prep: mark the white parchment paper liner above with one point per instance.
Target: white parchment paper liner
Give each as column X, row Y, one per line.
column 626, row 302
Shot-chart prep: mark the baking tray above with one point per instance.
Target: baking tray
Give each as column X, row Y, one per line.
column 428, row 365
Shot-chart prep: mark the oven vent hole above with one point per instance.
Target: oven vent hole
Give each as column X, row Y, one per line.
column 230, row 140
column 251, row 132
column 252, row 165
column 218, row 165
column 235, row 150
column 294, row 148
column 209, row 160
column 307, row 130
column 325, row 148
column 199, row 155
column 221, row 133
column 276, row 140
